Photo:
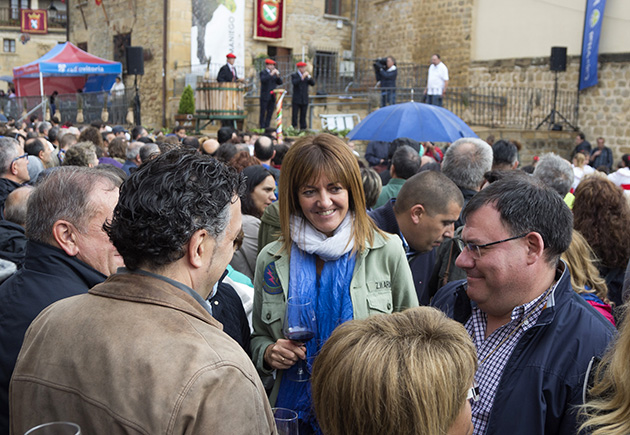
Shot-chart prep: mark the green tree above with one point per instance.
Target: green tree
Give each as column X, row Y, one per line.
column 187, row 102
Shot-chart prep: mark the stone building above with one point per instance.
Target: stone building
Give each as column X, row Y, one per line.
column 506, row 44
column 485, row 43
column 166, row 32
column 21, row 48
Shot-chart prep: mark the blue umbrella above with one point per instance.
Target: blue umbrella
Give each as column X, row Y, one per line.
column 422, row 122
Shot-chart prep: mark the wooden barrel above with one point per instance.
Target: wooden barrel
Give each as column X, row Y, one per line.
column 221, row 100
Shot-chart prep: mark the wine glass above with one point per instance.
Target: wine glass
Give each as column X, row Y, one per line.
column 55, row 428
column 299, row 325
column 286, row 421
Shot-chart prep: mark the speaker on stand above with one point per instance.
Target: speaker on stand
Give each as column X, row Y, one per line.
column 135, row 66
column 557, row 63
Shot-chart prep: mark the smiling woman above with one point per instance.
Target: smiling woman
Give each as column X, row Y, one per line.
column 330, row 254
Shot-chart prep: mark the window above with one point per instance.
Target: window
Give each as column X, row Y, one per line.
column 9, row 45
column 16, row 5
column 333, row 7
column 121, row 42
column 83, row 46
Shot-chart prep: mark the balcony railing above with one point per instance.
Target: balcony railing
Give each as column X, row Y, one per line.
column 10, row 17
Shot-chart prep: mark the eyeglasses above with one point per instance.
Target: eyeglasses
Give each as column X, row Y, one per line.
column 475, row 250
column 23, row 156
column 473, row 393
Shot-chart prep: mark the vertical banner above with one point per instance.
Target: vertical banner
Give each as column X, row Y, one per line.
column 269, row 19
column 218, row 28
column 590, row 43
column 34, row 20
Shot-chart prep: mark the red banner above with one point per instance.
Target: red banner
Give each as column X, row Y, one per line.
column 34, row 20
column 269, row 19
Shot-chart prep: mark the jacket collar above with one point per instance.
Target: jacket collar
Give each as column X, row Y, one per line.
column 134, row 287
column 462, row 308
column 47, row 259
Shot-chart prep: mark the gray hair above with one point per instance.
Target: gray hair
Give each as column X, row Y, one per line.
column 406, row 162
column 147, row 151
column 44, row 126
column 555, row 172
column 9, row 149
column 133, row 149
column 64, row 193
column 465, row 165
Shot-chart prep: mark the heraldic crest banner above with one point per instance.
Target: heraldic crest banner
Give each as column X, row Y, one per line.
column 269, row 19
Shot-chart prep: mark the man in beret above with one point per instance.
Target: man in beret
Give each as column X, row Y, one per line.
column 269, row 79
column 301, row 80
column 227, row 73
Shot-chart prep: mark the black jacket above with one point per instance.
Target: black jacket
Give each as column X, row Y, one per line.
column 227, row 308
column 387, row 78
column 12, row 242
column 421, row 264
column 300, row 88
column 542, row 381
column 48, row 275
column 225, row 75
column 268, row 83
column 6, row 186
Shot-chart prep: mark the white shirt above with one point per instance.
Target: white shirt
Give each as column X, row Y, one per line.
column 438, row 74
column 118, row 89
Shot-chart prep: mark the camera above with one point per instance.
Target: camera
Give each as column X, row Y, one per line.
column 380, row 63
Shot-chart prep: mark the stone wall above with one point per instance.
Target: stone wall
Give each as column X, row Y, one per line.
column 35, row 48
column 604, row 110
column 306, row 26
column 413, row 30
column 141, row 18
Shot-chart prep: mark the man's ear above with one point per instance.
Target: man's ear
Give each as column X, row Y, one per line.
column 417, row 212
column 41, row 154
column 65, row 234
column 200, row 246
column 535, row 247
column 13, row 168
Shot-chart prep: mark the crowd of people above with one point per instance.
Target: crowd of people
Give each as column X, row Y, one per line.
column 149, row 282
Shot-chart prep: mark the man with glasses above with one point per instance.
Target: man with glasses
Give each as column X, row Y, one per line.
column 14, row 164
column 535, row 336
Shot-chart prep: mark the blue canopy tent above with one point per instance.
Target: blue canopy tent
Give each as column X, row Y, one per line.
column 65, row 69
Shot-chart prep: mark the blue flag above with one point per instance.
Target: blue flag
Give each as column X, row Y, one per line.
column 590, row 45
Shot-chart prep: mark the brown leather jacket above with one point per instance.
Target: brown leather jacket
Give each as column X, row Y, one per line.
column 136, row 355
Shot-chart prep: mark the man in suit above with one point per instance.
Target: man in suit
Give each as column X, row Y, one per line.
column 301, row 80
column 227, row 73
column 269, row 79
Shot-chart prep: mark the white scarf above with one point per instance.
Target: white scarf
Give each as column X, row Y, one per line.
column 310, row 240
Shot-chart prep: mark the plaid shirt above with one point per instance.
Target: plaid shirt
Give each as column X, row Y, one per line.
column 494, row 351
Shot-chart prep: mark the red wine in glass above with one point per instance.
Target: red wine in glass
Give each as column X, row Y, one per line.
column 299, row 326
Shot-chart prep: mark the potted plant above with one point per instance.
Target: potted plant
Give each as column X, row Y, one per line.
column 186, row 111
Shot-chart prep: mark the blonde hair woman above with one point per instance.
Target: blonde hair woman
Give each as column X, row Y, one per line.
column 585, row 278
column 608, row 410
column 330, row 253
column 580, row 169
column 406, row 373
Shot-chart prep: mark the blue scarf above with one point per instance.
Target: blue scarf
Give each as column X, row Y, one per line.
column 330, row 295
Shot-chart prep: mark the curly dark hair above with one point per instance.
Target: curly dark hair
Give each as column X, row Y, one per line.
column 165, row 201
column 601, row 213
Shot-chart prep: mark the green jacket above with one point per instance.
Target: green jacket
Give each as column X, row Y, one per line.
column 381, row 284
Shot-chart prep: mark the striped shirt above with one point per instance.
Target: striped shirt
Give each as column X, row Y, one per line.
column 494, row 352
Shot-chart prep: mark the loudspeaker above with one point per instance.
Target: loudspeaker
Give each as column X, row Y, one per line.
column 558, row 59
column 135, row 61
